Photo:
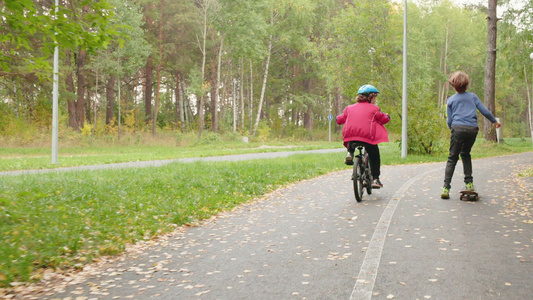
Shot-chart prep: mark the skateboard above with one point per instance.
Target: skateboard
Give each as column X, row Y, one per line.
column 468, row 195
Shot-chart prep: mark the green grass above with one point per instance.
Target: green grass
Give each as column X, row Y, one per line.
column 12, row 159
column 62, row 220
column 390, row 152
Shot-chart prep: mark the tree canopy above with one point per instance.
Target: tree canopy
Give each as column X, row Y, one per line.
column 32, row 29
column 266, row 67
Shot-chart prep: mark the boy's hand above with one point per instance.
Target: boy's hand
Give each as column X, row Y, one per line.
column 497, row 125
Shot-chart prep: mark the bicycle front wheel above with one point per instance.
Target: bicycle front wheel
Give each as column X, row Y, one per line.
column 358, row 179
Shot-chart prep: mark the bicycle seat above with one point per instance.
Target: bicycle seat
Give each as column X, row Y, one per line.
column 356, row 144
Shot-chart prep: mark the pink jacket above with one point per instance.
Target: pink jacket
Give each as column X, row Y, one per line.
column 363, row 122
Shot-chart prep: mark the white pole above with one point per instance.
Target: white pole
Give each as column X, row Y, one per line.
column 330, row 118
column 55, row 97
column 498, row 132
column 530, row 117
column 404, row 92
column 118, row 100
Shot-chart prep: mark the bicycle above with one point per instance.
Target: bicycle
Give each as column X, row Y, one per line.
column 362, row 175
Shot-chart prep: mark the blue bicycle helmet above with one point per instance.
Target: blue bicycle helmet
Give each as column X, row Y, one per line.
column 367, row 89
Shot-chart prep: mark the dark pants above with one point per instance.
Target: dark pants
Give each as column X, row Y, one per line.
column 373, row 155
column 462, row 140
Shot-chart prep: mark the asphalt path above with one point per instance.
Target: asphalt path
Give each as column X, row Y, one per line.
column 312, row 240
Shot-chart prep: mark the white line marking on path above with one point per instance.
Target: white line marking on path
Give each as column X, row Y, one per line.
column 367, row 275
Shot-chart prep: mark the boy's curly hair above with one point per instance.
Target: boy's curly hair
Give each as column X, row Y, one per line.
column 459, row 80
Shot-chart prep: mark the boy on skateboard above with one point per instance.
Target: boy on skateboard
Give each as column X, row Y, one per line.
column 462, row 121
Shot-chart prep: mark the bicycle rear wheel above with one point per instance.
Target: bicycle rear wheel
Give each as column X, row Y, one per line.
column 358, row 178
column 368, row 176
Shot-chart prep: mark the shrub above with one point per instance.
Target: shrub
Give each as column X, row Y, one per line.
column 427, row 129
column 209, row 138
column 87, row 129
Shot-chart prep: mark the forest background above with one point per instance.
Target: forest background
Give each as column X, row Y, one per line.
column 149, row 73
column 263, row 69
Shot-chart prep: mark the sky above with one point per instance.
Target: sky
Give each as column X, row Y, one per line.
column 515, row 3
column 468, row 1
column 485, row 2
column 500, row 9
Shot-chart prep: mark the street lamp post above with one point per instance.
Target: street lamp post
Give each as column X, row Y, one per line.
column 530, row 117
column 55, row 97
column 404, row 86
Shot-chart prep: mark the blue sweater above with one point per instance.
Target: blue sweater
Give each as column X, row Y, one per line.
column 461, row 110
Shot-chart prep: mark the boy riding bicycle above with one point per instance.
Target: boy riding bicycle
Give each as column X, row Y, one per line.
column 363, row 123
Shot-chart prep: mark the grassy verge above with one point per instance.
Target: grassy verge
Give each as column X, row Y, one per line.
column 390, row 152
column 12, row 159
column 62, row 220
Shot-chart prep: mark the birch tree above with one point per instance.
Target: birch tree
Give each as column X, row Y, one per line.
column 264, row 85
column 159, row 67
column 205, row 7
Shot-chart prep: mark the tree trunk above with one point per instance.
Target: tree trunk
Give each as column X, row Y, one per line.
column 213, row 106
column 251, row 96
column 69, row 81
column 233, row 99
column 219, row 70
column 490, row 69
column 96, row 97
column 308, row 114
column 529, row 117
column 89, row 104
column 179, row 103
column 338, row 106
column 136, row 112
column 308, row 120
column 215, row 81
column 265, row 76
column 156, row 106
column 119, row 105
column 186, row 105
column 80, row 103
column 443, row 90
column 224, row 93
column 110, row 97
column 15, row 95
column 241, row 94
column 205, row 5
column 149, row 68
column 187, row 110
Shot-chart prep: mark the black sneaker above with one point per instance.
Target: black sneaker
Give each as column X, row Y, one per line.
column 376, row 184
